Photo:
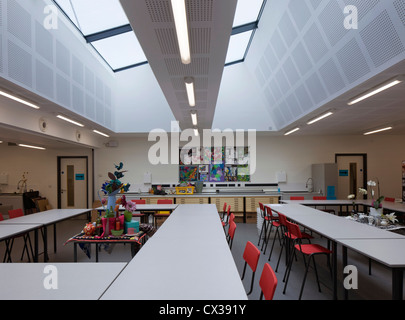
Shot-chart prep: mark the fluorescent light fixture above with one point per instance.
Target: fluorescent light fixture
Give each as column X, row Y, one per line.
column 378, row 130
column 189, row 81
column 375, row 91
column 196, row 132
column 70, row 120
column 194, row 118
column 7, row 95
column 291, row 131
column 180, row 20
column 32, row 147
column 101, row 133
column 323, row 116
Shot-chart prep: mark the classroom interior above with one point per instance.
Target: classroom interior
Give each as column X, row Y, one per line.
column 262, row 71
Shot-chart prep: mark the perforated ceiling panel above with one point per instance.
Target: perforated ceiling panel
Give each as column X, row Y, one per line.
column 312, row 57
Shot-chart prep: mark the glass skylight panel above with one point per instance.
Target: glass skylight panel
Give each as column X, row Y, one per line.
column 247, row 11
column 120, row 51
column 92, row 16
column 237, row 46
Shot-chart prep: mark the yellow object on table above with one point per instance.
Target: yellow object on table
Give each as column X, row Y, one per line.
column 185, row 190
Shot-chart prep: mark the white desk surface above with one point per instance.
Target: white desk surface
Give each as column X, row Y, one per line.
column 187, row 259
column 331, row 226
column 46, row 217
column 75, row 281
column 148, row 207
column 390, row 252
column 10, row 230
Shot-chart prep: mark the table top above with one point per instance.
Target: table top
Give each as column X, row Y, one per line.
column 10, row 230
column 148, row 207
column 188, row 258
column 46, row 217
column 390, row 252
column 331, row 226
column 75, row 281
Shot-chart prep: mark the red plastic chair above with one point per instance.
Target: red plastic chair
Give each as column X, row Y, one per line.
column 163, row 213
column 274, row 222
column 310, row 250
column 389, row 199
column 225, row 221
column 12, row 214
column 1, row 217
column 319, row 198
column 287, row 238
column 251, row 256
column 139, row 215
column 164, row 201
column 223, row 211
column 268, row 283
column 264, row 225
column 297, row 198
column 231, row 234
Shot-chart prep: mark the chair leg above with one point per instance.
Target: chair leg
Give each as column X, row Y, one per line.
column 288, row 270
column 268, row 238
column 251, row 284
column 243, row 273
column 265, row 235
column 305, row 277
column 261, row 232
column 274, row 240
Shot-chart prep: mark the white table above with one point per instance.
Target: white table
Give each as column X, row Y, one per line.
column 187, row 259
column 9, row 231
column 348, row 233
column 42, row 220
column 83, row 281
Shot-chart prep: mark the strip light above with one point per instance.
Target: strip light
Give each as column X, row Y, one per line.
column 323, row 116
column 70, row 120
column 101, row 133
column 180, row 20
column 291, row 131
column 32, row 147
column 194, row 118
column 7, row 95
column 189, row 81
column 374, row 92
column 379, row 130
column 196, row 132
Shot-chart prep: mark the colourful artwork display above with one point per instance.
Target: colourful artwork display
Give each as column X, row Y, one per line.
column 216, row 164
column 217, row 172
column 188, row 173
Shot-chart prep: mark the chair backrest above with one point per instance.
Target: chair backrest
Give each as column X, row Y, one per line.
column 297, row 198
column 231, row 218
column 229, row 210
column 389, row 199
column 251, row 255
column 165, row 201
column 268, row 212
column 15, row 213
column 1, row 217
column 268, row 282
column 231, row 230
column 294, row 230
column 282, row 219
column 319, row 198
column 138, row 201
column 224, row 209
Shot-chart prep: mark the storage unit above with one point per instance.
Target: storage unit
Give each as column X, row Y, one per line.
column 252, row 203
column 192, row 200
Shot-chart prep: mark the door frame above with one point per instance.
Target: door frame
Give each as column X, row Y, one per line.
column 364, row 156
column 59, row 159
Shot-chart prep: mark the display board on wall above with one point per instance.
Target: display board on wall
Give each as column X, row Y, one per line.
column 214, row 164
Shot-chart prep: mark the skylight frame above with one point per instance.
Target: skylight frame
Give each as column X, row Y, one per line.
column 249, row 26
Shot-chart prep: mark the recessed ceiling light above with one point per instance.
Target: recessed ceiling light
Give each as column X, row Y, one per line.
column 375, row 91
column 7, row 95
column 291, row 131
column 101, row 133
column 180, row 20
column 378, row 130
column 194, row 118
column 323, row 116
column 189, row 81
column 69, row 120
column 29, row 146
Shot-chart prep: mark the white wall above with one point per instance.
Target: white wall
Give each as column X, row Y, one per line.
column 41, row 166
column 294, row 155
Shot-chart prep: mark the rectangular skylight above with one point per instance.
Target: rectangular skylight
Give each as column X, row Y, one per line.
column 92, row 16
column 120, row 51
column 237, row 46
column 247, row 11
